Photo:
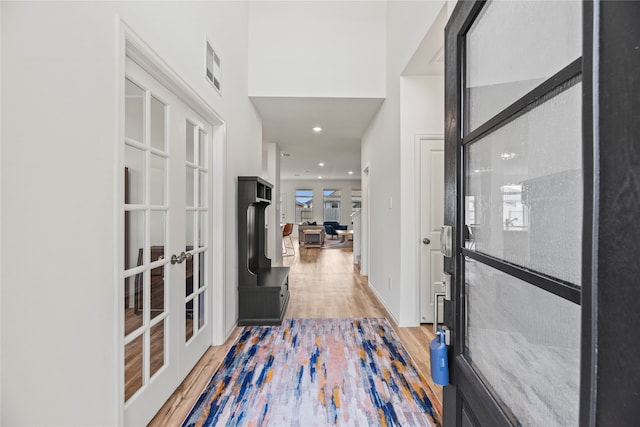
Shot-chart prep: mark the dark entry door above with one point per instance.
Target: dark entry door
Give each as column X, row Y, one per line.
column 516, row 190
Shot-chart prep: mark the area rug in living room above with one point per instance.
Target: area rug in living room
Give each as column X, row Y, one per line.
column 315, row 372
column 337, row 244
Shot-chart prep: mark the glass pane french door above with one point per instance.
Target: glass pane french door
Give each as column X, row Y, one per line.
column 166, row 214
column 146, row 156
column 197, row 220
column 520, row 213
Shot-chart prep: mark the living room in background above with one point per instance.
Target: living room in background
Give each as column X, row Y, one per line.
column 356, row 200
column 304, row 205
column 331, row 205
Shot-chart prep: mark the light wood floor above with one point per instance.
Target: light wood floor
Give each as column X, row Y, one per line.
column 323, row 283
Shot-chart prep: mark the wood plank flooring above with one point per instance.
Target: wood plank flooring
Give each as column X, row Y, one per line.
column 323, row 283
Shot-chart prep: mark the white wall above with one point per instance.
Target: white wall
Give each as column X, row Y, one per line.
column 421, row 112
column 289, row 187
column 317, row 48
column 407, row 24
column 0, row 212
column 60, row 115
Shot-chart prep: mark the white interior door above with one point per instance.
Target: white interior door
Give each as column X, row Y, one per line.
column 431, row 219
column 166, row 257
column 194, row 336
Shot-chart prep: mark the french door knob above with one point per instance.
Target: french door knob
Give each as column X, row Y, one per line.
column 426, row 241
column 178, row 259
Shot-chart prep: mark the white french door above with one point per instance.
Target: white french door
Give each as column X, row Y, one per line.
column 166, row 275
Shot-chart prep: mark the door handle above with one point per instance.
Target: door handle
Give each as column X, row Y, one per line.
column 178, row 259
column 426, row 241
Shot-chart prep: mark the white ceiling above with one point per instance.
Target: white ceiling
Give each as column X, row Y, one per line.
column 289, row 122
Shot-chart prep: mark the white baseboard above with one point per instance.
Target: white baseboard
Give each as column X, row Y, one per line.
column 409, row 325
column 375, row 292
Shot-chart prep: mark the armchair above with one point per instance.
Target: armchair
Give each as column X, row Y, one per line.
column 331, row 227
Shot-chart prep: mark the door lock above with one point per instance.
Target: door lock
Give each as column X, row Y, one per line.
column 426, row 241
column 444, row 291
column 445, row 286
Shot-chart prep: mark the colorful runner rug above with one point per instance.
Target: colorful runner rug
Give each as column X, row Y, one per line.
column 315, row 372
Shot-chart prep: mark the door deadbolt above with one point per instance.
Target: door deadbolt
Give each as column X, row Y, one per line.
column 426, row 241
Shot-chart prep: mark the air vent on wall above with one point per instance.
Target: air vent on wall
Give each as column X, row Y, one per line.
column 213, row 67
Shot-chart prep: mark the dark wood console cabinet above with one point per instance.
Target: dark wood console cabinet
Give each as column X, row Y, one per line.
column 263, row 290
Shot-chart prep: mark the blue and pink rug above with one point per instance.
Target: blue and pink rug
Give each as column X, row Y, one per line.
column 316, row 372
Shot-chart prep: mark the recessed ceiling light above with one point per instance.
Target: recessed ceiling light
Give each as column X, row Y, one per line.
column 317, row 129
column 320, row 164
column 350, row 172
column 319, row 177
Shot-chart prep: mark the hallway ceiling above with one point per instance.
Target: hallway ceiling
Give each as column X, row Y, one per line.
column 288, row 122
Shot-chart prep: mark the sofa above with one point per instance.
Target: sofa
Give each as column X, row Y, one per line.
column 306, row 226
column 331, row 227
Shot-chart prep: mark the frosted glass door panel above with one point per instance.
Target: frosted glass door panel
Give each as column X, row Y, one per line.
column 523, row 192
column 514, row 46
column 525, row 344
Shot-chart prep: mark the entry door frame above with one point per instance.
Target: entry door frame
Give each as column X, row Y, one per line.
column 466, row 386
column 610, row 296
column 131, row 45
